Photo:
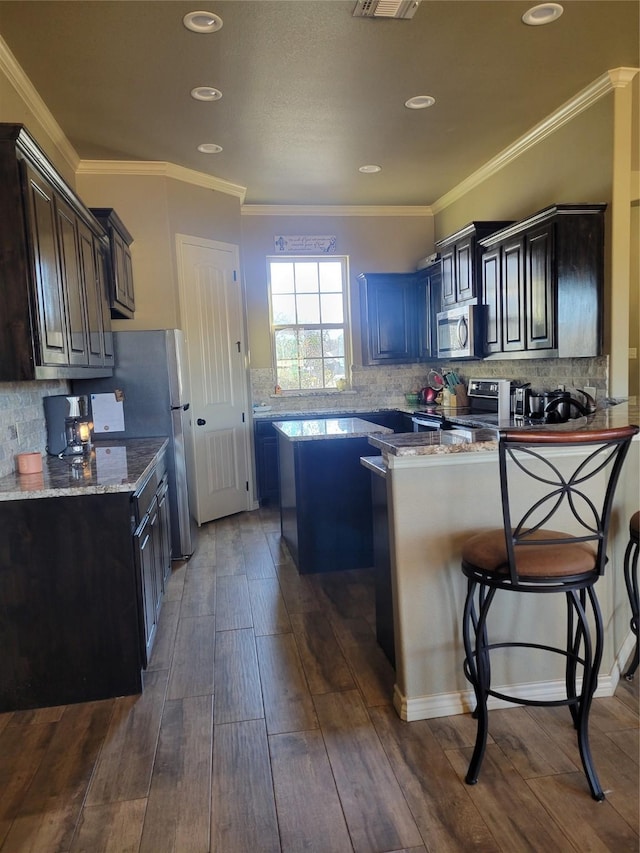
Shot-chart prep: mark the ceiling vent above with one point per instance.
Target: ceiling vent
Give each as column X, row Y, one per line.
column 385, row 8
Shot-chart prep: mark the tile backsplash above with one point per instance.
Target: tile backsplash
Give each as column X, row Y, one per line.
column 22, row 426
column 385, row 387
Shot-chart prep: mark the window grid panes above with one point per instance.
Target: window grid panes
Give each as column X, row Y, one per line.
column 308, row 318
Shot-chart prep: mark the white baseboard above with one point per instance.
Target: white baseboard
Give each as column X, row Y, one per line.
column 463, row 701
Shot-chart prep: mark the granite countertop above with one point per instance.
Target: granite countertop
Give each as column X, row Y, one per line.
column 311, row 430
column 438, row 442
column 113, row 466
column 269, row 413
column 446, row 442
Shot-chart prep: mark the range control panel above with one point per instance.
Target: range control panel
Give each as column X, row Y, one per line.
column 491, row 395
column 489, row 388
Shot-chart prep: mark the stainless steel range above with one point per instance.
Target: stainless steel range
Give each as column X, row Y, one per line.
column 491, row 397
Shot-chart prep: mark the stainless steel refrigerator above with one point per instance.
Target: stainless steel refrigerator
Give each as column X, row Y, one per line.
column 149, row 371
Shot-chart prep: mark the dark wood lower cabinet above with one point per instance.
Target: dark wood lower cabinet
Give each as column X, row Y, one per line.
column 266, row 444
column 78, row 602
column 69, row 621
column 382, row 568
column 325, row 503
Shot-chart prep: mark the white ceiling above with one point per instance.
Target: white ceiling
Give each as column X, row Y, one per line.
column 310, row 92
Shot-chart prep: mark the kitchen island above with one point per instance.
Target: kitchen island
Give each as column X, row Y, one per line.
column 84, row 551
column 439, row 494
column 325, row 494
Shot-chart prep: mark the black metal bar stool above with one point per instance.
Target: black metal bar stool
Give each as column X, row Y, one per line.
column 547, row 479
column 631, row 580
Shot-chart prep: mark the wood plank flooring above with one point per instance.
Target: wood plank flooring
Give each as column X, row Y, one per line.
column 266, row 726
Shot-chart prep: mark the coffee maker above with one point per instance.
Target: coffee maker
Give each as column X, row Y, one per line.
column 68, row 425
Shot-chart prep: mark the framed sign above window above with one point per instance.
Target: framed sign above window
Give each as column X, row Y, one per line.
column 304, row 245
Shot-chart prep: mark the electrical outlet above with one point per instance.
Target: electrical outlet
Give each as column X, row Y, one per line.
column 12, row 432
column 633, row 352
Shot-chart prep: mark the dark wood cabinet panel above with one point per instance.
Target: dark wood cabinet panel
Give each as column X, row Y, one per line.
column 100, row 337
column 513, row 296
column 448, row 276
column 152, row 550
column 325, row 508
column 539, row 306
column 73, row 285
column 460, row 262
column 492, row 301
column 69, row 625
column 51, row 332
column 266, row 445
column 398, row 316
column 542, row 283
column 389, row 318
column 46, row 329
column 429, row 282
column 120, row 267
column 79, row 601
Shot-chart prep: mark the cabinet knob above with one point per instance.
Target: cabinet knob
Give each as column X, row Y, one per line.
column 201, row 422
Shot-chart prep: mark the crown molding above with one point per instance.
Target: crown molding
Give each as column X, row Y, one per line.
column 601, row 86
column 24, row 87
column 334, row 210
column 160, row 168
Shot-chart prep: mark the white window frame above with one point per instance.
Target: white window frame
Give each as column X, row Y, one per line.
column 346, row 324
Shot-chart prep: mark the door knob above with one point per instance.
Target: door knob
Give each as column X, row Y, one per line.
column 201, row 422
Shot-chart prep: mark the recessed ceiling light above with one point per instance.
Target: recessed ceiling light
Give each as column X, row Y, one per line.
column 420, row 102
column 202, row 22
column 206, row 93
column 370, row 170
column 209, row 148
column 544, row 13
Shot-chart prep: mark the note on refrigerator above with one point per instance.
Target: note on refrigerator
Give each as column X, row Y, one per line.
column 108, row 412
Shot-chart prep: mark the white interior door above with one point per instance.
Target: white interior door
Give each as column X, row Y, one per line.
column 211, row 307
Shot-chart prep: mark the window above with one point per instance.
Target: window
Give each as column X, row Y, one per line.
column 309, row 321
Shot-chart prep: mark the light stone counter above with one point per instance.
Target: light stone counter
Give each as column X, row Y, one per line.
column 312, row 430
column 113, row 466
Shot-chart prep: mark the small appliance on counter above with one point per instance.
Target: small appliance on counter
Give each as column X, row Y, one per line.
column 68, row 424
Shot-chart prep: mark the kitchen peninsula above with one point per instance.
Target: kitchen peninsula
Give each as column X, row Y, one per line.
column 325, row 494
column 84, row 553
column 438, row 495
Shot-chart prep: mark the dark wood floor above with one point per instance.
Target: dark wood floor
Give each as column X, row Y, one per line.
column 266, row 725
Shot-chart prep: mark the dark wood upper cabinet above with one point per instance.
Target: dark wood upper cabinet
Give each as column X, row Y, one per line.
column 429, row 282
column 49, row 322
column 460, row 262
column 542, row 284
column 122, row 296
column 389, row 318
column 398, row 316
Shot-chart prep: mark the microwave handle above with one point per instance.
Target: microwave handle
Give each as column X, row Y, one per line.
column 462, row 332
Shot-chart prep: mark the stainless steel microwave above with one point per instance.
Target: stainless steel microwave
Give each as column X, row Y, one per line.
column 460, row 332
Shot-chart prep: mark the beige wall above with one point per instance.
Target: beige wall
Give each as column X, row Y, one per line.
column 14, row 109
column 154, row 209
column 573, row 164
column 372, row 244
